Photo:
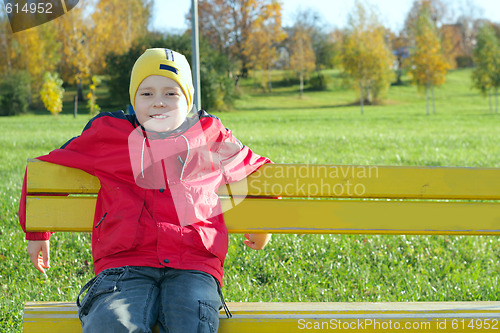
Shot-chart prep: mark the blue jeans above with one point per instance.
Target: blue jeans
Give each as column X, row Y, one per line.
column 135, row 299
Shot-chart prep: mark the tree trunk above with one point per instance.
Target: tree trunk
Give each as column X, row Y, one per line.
column 427, row 100
column 362, row 99
column 75, row 109
column 496, row 99
column 80, row 91
column 269, row 83
column 244, row 70
column 301, row 86
column 433, row 101
column 237, row 82
column 399, row 71
column 490, row 102
column 6, row 48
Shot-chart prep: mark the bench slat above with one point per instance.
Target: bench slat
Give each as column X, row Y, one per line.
column 296, row 317
column 302, row 216
column 46, row 177
column 297, row 180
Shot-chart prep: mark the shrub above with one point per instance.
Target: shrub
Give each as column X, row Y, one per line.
column 464, row 61
column 289, row 79
column 319, row 82
column 15, row 93
column 52, row 93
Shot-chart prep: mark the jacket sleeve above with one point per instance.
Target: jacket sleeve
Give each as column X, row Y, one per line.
column 79, row 152
column 238, row 161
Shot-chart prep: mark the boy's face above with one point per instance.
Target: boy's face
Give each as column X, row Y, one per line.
column 160, row 104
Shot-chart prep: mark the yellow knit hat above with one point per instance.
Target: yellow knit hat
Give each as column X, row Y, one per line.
column 166, row 63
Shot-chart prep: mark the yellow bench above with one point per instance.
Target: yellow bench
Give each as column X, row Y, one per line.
column 425, row 200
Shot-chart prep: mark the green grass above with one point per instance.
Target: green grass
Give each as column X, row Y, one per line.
column 323, row 127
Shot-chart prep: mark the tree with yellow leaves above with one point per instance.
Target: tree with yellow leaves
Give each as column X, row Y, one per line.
column 52, row 93
column 428, row 64
column 366, row 58
column 75, row 31
column 302, row 58
column 5, row 44
column 116, row 24
column 262, row 44
column 35, row 50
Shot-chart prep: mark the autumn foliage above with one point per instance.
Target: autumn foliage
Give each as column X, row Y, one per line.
column 247, row 31
column 238, row 38
column 428, row 64
column 366, row 58
column 302, row 58
column 75, row 44
column 52, row 93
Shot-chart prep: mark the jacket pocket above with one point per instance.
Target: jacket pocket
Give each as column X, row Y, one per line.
column 214, row 238
column 116, row 230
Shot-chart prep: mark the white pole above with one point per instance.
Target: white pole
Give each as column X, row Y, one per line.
column 196, row 54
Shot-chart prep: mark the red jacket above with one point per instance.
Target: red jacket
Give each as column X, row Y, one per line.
column 157, row 205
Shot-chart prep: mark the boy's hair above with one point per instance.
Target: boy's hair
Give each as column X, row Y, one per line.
column 166, row 63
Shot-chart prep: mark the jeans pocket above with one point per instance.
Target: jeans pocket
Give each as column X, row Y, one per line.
column 209, row 316
column 104, row 283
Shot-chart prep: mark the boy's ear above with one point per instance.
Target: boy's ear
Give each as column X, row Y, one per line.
column 24, row 14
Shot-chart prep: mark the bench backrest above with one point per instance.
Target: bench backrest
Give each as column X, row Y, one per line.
column 314, row 199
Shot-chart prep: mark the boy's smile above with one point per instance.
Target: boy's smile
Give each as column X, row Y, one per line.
column 160, row 104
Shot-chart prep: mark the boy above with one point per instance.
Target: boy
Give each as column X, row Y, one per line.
column 159, row 239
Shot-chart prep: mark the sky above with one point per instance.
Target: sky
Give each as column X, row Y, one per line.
column 169, row 15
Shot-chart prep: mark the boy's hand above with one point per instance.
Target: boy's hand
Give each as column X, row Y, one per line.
column 34, row 249
column 257, row 241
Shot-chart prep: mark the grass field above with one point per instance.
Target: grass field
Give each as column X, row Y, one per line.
column 323, row 127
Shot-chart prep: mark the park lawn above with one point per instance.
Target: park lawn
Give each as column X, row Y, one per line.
column 323, row 127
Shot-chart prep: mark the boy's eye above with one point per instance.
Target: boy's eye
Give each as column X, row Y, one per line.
column 172, row 94
column 146, row 94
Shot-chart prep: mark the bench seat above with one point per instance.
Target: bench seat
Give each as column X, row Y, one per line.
column 296, row 317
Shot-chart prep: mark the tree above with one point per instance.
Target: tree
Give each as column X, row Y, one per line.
column 264, row 40
column 5, row 43
column 428, row 65
column 34, row 46
column 486, row 74
column 75, row 29
column 366, row 58
column 228, row 25
column 14, row 92
column 116, row 24
column 75, row 44
column 452, row 43
column 52, row 93
column 437, row 11
column 469, row 21
column 323, row 43
column 302, row 59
